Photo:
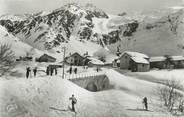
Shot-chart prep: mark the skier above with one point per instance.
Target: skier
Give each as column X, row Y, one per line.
column 70, row 70
column 47, row 71
column 51, row 71
column 35, row 71
column 55, row 71
column 75, row 70
column 145, row 102
column 73, row 101
column 27, row 72
column 97, row 69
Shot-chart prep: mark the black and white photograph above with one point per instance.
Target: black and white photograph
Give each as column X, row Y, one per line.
column 91, row 58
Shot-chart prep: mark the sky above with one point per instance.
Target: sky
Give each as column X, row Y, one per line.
column 109, row 6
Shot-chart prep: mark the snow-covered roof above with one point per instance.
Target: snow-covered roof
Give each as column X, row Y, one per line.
column 76, row 53
column 162, row 58
column 118, row 61
column 95, row 61
column 177, row 58
column 157, row 59
column 135, row 54
column 140, row 60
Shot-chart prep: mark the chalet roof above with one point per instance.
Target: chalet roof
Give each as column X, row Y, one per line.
column 177, row 58
column 140, row 60
column 46, row 55
column 157, row 59
column 76, row 53
column 135, row 54
column 95, row 61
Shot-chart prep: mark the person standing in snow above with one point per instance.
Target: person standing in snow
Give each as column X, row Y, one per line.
column 35, row 71
column 47, row 70
column 73, row 101
column 75, row 70
column 70, row 70
column 55, row 71
column 28, row 72
column 97, row 69
column 145, row 102
column 51, row 72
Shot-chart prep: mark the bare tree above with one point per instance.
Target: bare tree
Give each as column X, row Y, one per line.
column 170, row 94
column 7, row 59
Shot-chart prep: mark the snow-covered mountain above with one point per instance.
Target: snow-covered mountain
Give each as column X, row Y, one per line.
column 46, row 30
column 153, row 36
column 14, row 17
column 17, row 46
column 155, row 33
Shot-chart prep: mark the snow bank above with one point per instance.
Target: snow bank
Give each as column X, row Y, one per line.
column 165, row 75
column 33, row 97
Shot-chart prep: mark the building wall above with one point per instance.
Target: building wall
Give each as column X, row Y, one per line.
column 178, row 64
column 160, row 64
column 164, row 65
column 139, row 67
column 46, row 59
column 75, row 60
column 70, row 60
column 143, row 67
column 125, row 62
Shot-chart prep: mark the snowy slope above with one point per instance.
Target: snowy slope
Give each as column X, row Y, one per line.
column 164, row 75
column 33, row 98
column 18, row 47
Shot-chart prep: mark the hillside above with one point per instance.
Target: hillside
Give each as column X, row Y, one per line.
column 154, row 33
column 33, row 97
column 48, row 30
column 17, row 46
column 163, row 36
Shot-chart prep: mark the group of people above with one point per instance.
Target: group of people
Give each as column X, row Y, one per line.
column 50, row 70
column 73, row 70
column 85, row 67
column 28, row 72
